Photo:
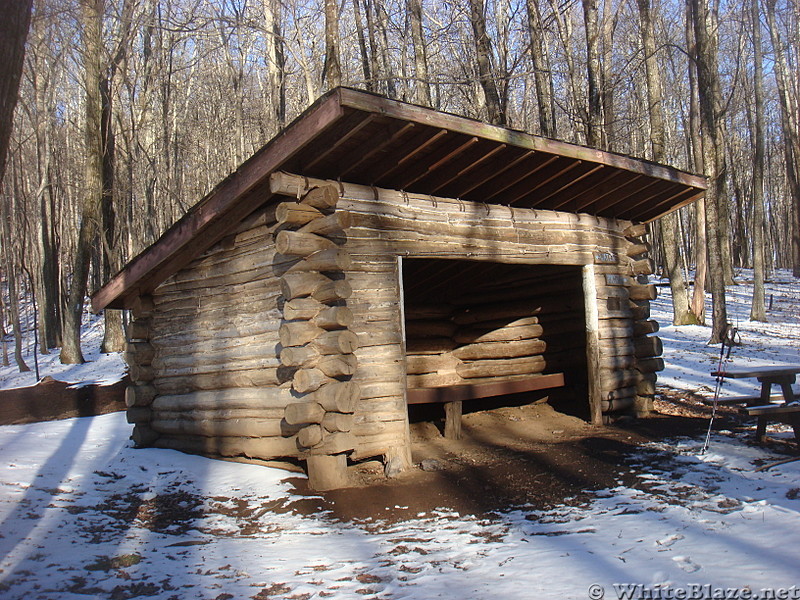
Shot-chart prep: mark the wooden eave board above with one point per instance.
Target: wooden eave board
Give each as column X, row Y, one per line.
column 358, row 137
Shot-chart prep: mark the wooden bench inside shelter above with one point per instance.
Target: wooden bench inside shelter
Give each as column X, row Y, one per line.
column 453, row 396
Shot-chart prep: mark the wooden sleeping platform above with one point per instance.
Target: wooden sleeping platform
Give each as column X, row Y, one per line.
column 453, row 396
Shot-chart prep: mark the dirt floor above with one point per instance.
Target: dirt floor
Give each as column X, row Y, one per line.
column 50, row 400
column 528, row 455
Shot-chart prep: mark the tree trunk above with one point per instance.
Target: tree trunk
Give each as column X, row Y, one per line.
column 331, row 69
column 275, row 62
column 710, row 100
column 542, row 78
column 594, row 131
column 495, row 112
column 421, row 83
column 698, row 303
column 92, row 16
column 362, row 46
column 13, row 32
column 669, row 223
column 757, row 310
column 790, row 126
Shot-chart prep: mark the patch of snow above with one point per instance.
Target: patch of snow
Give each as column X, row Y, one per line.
column 99, row 368
column 84, row 514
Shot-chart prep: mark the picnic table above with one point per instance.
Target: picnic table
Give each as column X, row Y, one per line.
column 782, row 408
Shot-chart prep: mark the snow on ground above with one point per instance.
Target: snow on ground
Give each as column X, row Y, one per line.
column 101, row 369
column 690, row 360
column 84, row 515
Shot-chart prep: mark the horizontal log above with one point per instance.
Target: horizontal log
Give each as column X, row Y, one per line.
column 338, row 365
column 297, row 285
column 264, row 448
column 330, row 225
column 298, row 333
column 231, row 378
column 335, row 443
column 650, row 365
column 641, row 328
column 229, row 399
column 295, row 243
column 646, row 387
column 501, row 334
column 300, row 356
column 253, row 428
column 644, row 266
column 643, row 292
column 141, row 374
column 222, row 414
column 139, row 330
column 333, row 291
column 501, row 367
column 329, row 261
column 635, row 230
column 142, row 307
column 139, row 353
column 302, row 309
column 430, row 363
column 309, row 380
column 335, row 421
column 304, row 412
column 337, row 396
column 640, row 310
column 138, row 414
column 431, row 380
column 139, row 395
column 648, row 346
column 335, row 317
column 638, row 249
column 336, row 342
column 611, row 379
column 491, row 350
column 143, row 436
column 295, row 214
column 310, row 435
column 323, row 197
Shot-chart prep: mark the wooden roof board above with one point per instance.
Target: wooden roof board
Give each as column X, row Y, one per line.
column 364, row 138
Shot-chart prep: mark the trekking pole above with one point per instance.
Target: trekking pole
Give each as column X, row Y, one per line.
column 730, row 337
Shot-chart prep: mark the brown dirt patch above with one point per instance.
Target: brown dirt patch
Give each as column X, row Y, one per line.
column 530, row 455
column 50, row 400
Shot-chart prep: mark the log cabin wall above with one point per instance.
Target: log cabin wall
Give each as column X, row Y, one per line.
column 387, row 224
column 217, row 385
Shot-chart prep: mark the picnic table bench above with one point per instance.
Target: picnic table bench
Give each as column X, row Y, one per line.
column 782, row 408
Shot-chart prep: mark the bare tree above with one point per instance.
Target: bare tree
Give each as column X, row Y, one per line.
column 13, row 32
column 669, row 223
column 495, row 109
column 542, row 77
column 332, row 70
column 92, row 21
column 757, row 311
column 710, row 97
column 421, row 82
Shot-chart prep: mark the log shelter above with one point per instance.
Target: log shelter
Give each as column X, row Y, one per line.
column 377, row 254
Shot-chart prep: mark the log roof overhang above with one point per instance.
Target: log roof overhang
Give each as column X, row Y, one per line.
column 359, row 137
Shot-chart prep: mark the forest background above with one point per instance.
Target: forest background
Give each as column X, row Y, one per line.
column 117, row 116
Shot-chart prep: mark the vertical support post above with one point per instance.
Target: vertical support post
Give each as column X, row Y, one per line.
column 592, row 344
column 398, row 459
column 452, row 420
column 327, row 471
